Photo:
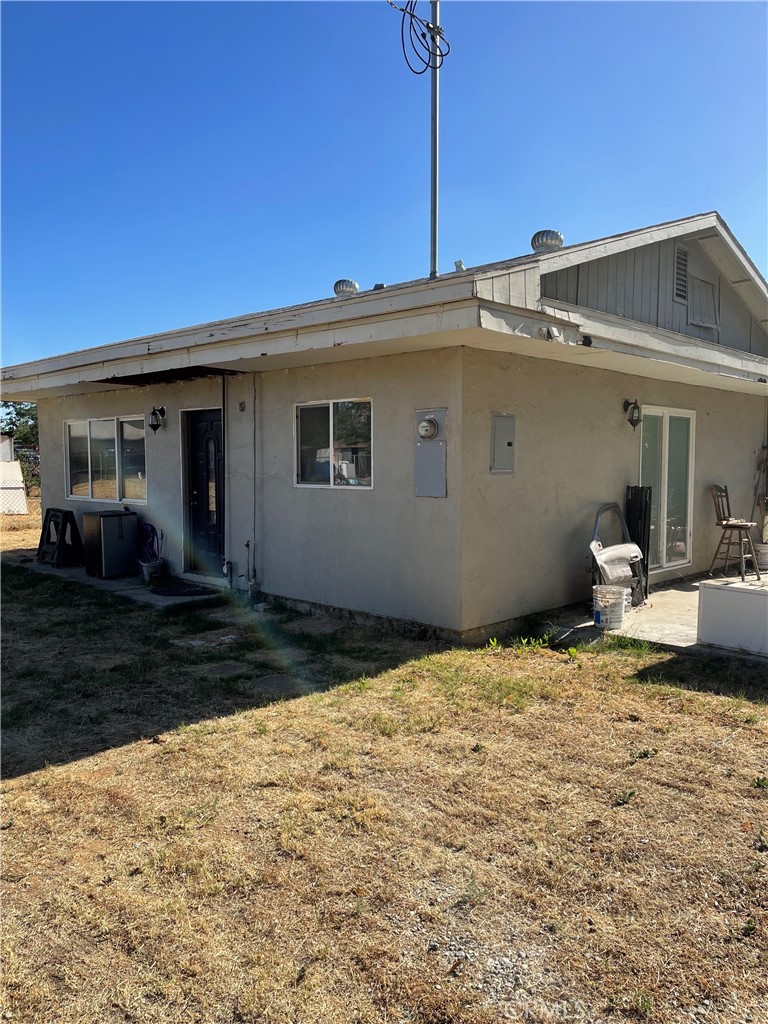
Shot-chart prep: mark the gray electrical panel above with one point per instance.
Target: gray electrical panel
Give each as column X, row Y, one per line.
column 502, row 443
column 430, row 464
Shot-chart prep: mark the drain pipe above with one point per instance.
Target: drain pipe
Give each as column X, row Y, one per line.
column 226, row 565
column 228, row 569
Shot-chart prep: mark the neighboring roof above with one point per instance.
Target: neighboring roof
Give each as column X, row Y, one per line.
column 98, row 364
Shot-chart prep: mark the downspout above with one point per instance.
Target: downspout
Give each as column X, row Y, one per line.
column 258, row 484
column 226, row 564
column 253, row 575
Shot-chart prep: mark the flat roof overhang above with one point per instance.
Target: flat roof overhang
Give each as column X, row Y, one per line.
column 269, row 343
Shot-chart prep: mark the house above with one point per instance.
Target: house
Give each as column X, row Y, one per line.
column 432, row 451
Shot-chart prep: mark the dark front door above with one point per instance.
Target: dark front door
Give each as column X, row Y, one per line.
column 205, row 476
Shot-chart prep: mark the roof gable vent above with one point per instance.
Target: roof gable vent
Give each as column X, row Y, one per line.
column 681, row 274
column 547, row 241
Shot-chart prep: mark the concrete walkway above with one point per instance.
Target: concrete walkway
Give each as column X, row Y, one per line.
column 131, row 587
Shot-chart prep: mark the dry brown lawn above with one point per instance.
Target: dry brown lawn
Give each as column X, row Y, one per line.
column 22, row 532
column 441, row 836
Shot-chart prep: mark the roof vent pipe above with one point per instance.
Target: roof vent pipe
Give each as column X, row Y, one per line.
column 345, row 287
column 547, row 241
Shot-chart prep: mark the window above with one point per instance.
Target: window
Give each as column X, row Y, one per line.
column 106, row 459
column 666, row 466
column 333, row 443
column 133, row 473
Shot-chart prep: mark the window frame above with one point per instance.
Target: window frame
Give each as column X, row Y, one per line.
column 330, row 402
column 115, row 420
column 665, row 412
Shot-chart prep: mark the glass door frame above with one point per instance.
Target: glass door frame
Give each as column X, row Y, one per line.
column 665, row 412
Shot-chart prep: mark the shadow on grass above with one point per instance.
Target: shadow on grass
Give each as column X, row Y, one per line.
column 85, row 670
column 727, row 677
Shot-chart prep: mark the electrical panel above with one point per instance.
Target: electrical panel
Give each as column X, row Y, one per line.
column 430, row 462
column 502, row 443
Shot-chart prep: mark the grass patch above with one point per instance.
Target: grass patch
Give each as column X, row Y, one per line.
column 445, row 836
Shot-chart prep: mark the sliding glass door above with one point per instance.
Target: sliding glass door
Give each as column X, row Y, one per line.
column 666, row 465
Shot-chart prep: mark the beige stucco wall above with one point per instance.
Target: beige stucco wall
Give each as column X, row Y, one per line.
column 165, row 505
column 496, row 548
column 380, row 550
column 524, row 536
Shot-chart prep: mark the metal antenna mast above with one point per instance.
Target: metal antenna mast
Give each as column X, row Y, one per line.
column 428, row 49
column 435, row 33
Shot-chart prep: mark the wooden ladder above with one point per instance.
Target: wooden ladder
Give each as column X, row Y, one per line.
column 60, row 542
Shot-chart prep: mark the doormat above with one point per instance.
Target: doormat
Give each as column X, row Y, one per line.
column 181, row 588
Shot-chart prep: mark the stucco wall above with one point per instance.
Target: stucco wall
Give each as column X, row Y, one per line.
column 497, row 547
column 165, row 505
column 381, row 550
column 524, row 536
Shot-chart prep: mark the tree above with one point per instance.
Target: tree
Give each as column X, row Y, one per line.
column 351, row 423
column 19, row 419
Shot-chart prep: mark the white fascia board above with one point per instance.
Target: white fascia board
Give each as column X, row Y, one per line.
column 558, row 260
column 438, row 325
column 741, row 274
column 741, row 256
column 612, row 333
column 496, row 335
column 292, row 319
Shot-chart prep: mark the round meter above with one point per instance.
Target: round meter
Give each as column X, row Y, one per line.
column 428, row 428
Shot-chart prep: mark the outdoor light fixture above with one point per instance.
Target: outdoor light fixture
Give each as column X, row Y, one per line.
column 156, row 418
column 632, row 409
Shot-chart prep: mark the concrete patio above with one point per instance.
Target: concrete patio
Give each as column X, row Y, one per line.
column 669, row 617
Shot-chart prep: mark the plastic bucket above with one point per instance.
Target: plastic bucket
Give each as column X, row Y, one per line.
column 150, row 569
column 608, row 606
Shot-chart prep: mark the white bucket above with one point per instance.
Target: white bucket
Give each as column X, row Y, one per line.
column 608, row 606
column 150, row 569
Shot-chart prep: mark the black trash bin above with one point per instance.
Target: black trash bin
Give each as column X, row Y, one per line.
column 109, row 539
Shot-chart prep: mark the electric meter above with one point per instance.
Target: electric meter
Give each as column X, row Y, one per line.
column 428, row 428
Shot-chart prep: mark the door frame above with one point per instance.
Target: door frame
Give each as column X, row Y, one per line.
column 665, row 412
column 184, row 455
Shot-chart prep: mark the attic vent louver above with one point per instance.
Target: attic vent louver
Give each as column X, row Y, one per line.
column 681, row 274
column 547, row 241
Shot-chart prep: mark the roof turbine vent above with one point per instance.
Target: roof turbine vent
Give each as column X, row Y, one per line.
column 345, row 287
column 547, row 241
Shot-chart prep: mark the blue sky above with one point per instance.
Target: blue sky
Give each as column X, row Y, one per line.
column 166, row 164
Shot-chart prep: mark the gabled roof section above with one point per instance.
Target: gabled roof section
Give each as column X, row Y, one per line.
column 708, row 229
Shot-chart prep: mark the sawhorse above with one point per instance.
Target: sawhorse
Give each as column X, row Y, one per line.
column 60, row 542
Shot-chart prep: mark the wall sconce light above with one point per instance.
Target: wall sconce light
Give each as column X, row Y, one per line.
column 634, row 416
column 156, row 418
